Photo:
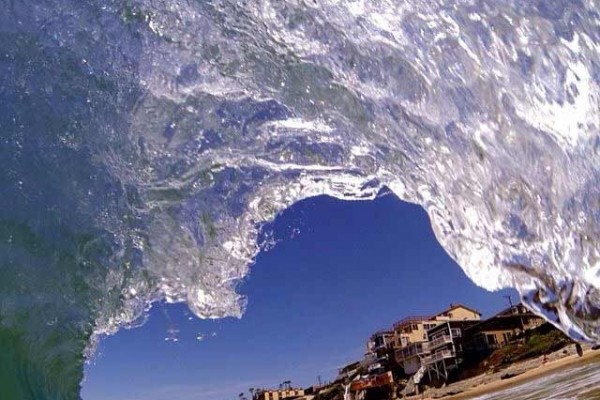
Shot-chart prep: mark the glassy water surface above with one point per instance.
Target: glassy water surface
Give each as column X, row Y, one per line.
column 143, row 143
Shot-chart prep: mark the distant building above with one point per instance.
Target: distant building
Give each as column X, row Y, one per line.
column 458, row 312
column 445, row 348
column 412, row 329
column 410, row 341
column 379, row 347
column 278, row 394
column 411, row 334
column 380, row 340
column 501, row 329
column 379, row 351
column 411, row 356
column 348, row 372
column 384, row 379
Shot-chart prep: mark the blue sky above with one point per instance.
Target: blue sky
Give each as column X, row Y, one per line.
column 340, row 271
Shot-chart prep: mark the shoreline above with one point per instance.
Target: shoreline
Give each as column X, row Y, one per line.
column 524, row 371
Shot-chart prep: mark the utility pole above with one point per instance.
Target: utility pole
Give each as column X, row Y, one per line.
column 518, row 312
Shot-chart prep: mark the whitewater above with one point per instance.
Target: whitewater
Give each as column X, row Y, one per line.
column 144, row 143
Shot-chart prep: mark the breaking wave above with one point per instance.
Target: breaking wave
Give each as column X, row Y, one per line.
column 144, row 142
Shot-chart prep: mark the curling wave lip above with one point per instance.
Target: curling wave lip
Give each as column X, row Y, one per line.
column 143, row 144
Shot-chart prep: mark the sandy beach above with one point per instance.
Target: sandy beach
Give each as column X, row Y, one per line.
column 524, row 372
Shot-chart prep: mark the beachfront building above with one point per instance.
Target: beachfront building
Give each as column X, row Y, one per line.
column 278, row 394
column 445, row 348
column 411, row 334
column 380, row 341
column 458, row 312
column 380, row 350
column 349, row 372
column 410, row 341
column 411, row 356
column 501, row 329
column 412, row 329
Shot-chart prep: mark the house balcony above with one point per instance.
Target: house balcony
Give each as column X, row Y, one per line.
column 410, row 320
column 438, row 356
column 381, row 346
column 439, row 341
column 414, row 349
column 375, row 367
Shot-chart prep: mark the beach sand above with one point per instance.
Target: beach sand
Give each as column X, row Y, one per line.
column 524, row 371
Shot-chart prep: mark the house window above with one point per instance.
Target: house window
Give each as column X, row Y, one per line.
column 424, row 336
column 450, row 315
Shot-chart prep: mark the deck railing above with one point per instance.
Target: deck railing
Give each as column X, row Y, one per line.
column 440, row 355
column 413, row 349
column 439, row 341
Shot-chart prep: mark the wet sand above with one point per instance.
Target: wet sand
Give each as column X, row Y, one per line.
column 524, row 372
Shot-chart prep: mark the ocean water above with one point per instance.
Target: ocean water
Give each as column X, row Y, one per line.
column 579, row 383
column 144, row 142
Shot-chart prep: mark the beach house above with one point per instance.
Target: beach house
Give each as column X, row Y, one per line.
column 446, row 351
column 278, row 394
column 500, row 329
column 411, row 341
